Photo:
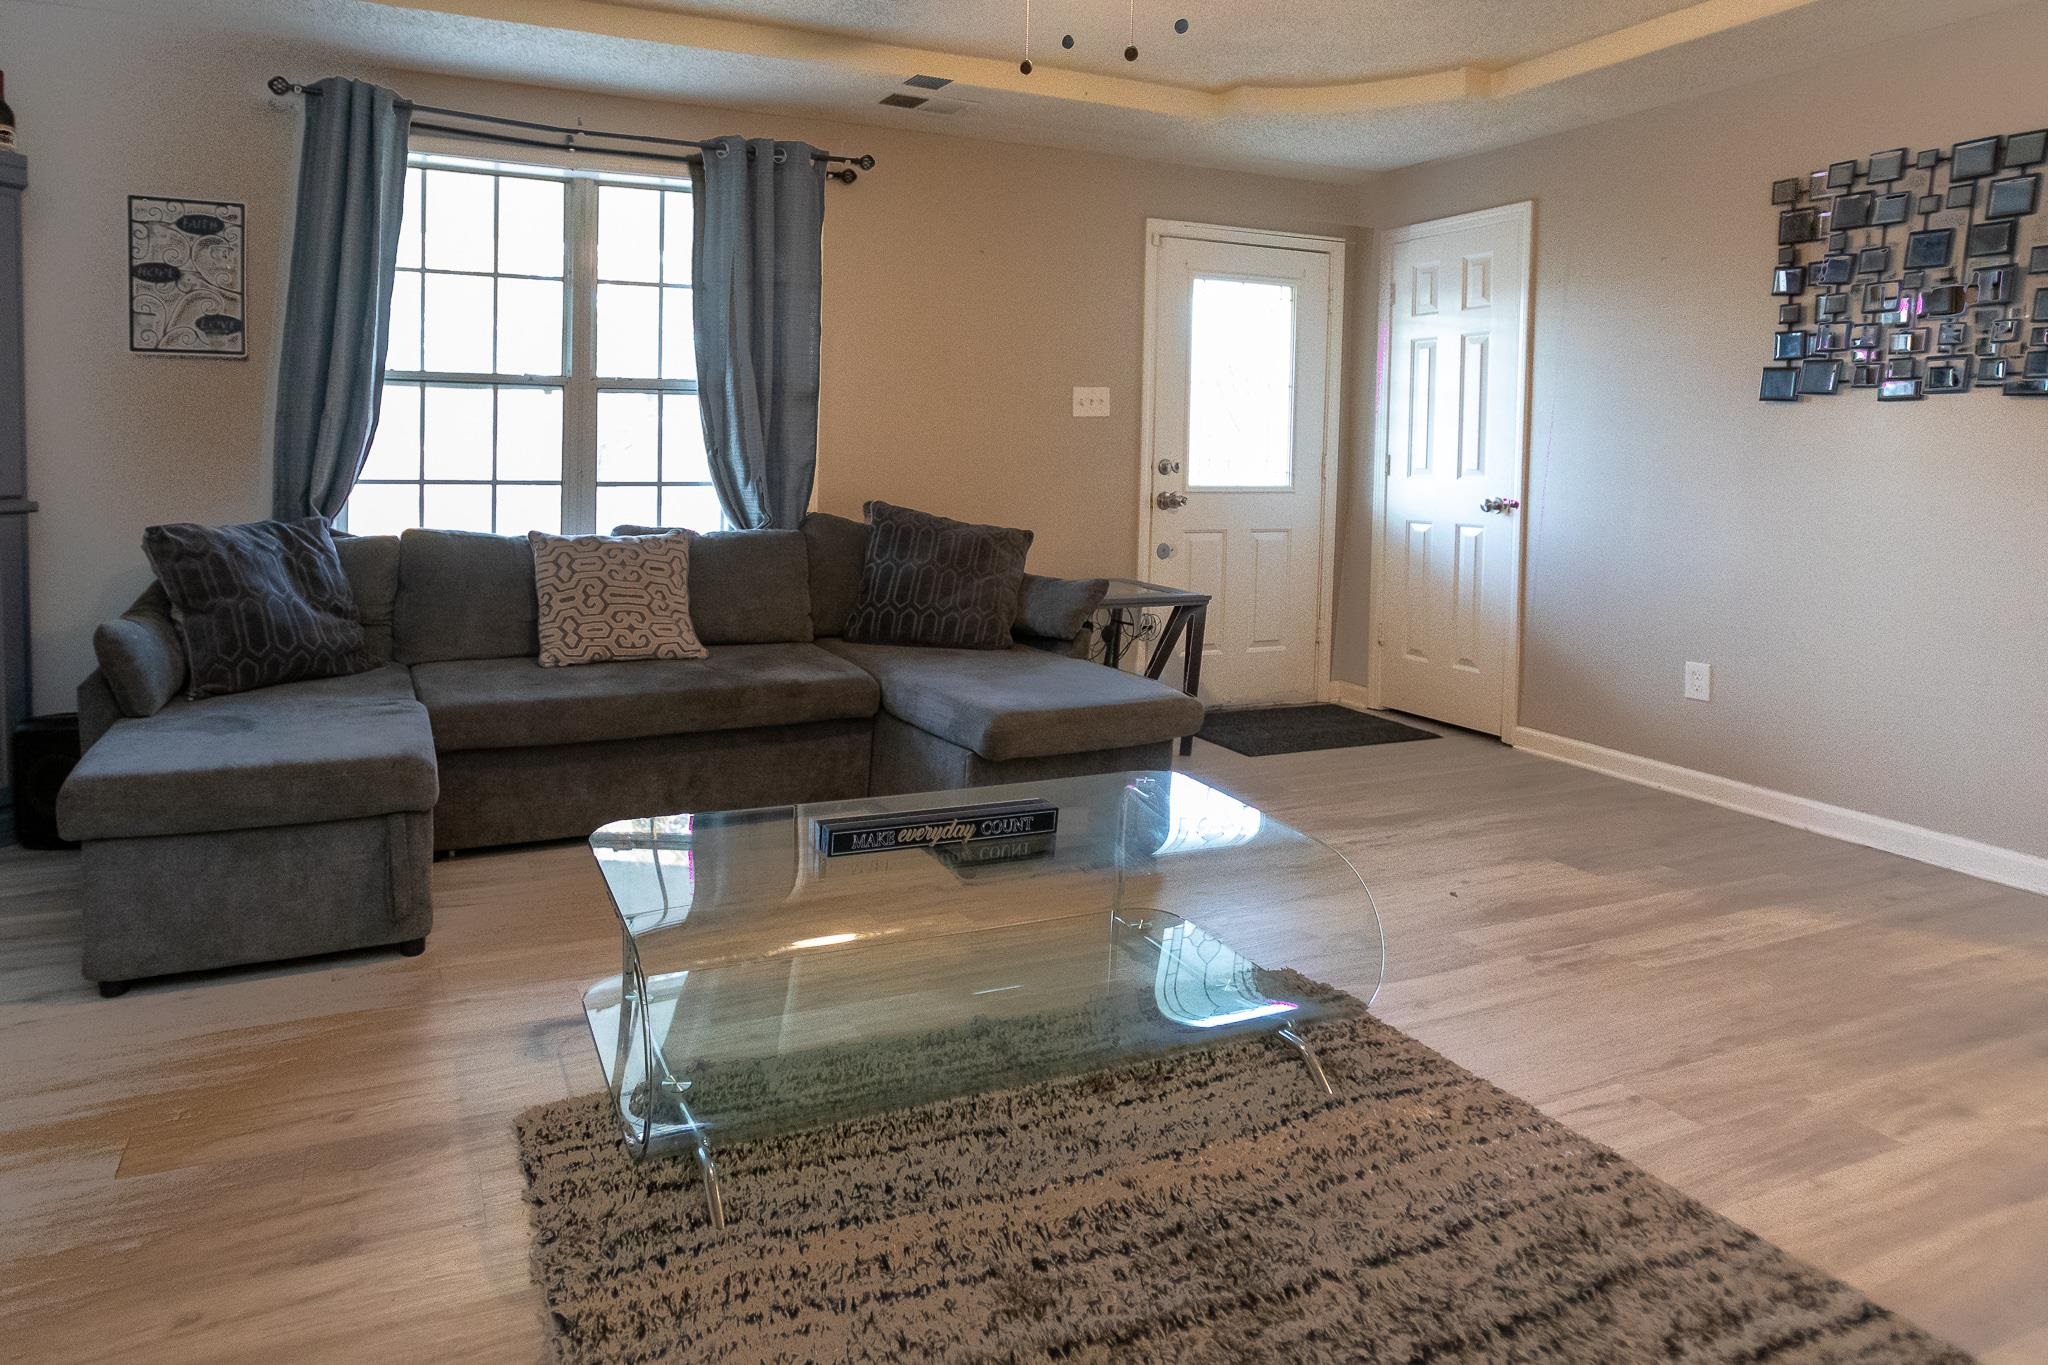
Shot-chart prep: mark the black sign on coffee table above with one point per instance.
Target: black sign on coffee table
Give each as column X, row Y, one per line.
column 845, row 835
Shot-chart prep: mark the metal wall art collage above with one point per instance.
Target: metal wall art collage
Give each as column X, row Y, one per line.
column 1956, row 301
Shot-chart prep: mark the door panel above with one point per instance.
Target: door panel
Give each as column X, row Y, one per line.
column 1452, row 437
column 1239, row 432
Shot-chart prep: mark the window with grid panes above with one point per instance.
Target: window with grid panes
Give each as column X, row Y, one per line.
column 542, row 369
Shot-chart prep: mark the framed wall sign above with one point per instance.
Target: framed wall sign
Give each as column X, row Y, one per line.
column 185, row 278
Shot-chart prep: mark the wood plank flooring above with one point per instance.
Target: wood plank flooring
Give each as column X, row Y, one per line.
column 1841, row 1049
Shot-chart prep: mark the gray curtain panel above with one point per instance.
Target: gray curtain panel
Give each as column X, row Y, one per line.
column 759, row 277
column 330, row 369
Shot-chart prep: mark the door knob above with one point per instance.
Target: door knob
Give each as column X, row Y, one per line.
column 1170, row 502
column 1501, row 505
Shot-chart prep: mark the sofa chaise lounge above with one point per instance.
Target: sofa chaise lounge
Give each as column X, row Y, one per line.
column 303, row 818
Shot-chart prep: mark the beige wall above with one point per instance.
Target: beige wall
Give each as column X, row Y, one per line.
column 1868, row 582
column 969, row 287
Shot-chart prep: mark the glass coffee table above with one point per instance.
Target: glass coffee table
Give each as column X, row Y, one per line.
column 766, row 987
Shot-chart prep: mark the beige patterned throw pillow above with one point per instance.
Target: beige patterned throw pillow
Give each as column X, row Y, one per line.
column 613, row 597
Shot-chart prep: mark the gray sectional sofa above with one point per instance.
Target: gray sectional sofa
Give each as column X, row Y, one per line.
column 303, row 818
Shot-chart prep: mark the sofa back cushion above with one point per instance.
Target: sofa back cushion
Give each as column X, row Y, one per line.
column 371, row 563
column 257, row 605
column 464, row 595
column 929, row 580
column 746, row 587
column 838, row 547
column 140, row 656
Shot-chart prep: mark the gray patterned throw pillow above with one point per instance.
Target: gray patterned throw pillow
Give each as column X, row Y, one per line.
column 613, row 597
column 257, row 605
column 929, row 580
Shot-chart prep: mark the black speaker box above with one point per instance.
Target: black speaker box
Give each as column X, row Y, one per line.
column 45, row 752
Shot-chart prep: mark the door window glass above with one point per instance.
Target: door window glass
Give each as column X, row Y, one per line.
column 1241, row 384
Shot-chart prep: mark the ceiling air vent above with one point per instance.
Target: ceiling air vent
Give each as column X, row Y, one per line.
column 929, row 82
column 903, row 101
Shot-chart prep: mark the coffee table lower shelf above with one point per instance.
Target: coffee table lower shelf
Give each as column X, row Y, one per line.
column 617, row 1029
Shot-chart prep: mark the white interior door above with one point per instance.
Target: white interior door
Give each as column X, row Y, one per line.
column 1242, row 346
column 1453, row 430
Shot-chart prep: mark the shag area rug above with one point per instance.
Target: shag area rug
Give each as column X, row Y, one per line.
column 1209, row 1206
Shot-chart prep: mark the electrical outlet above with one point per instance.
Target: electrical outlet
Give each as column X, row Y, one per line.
column 1091, row 402
column 1699, row 682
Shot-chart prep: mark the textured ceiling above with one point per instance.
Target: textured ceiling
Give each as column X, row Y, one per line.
column 1348, row 88
column 1229, row 42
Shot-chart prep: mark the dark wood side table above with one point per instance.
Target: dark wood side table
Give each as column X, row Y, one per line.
column 1187, row 614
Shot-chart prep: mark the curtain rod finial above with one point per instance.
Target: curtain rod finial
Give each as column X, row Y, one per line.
column 280, row 86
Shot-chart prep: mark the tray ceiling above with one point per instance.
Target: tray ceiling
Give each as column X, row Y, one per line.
column 1328, row 89
column 1230, row 42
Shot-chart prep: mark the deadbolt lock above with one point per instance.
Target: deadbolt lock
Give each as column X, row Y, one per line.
column 1169, row 466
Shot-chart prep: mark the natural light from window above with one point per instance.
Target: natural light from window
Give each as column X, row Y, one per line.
column 542, row 370
column 1241, row 384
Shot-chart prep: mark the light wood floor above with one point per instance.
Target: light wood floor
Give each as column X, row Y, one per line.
column 1843, row 1050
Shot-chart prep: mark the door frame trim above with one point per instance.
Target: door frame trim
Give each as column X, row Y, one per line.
column 1523, row 216
column 1157, row 231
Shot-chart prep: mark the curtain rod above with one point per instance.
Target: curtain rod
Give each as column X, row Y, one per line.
column 846, row 176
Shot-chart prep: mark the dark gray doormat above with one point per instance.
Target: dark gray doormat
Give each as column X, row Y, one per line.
column 1262, row 730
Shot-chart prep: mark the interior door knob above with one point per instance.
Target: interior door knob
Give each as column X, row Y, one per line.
column 1501, row 505
column 1170, row 502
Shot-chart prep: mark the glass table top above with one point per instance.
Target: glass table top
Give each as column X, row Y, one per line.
column 1133, row 592
column 767, row 987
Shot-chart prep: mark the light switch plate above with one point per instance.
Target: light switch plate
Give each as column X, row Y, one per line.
column 1091, row 402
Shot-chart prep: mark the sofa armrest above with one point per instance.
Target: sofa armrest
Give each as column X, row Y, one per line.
column 97, row 710
column 1056, row 608
column 1076, row 648
column 141, row 659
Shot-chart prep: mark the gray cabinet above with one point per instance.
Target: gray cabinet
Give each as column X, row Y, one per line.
column 14, row 504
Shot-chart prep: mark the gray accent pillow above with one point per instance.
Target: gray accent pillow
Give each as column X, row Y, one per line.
column 371, row 563
column 838, row 548
column 746, row 587
column 930, row 580
column 140, row 656
column 257, row 605
column 1057, row 608
column 464, row 595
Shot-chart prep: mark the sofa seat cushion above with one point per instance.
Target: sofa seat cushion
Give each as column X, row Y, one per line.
column 517, row 704
column 298, row 754
column 1021, row 703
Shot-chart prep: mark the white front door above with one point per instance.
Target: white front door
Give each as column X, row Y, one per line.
column 1241, row 426
column 1452, row 405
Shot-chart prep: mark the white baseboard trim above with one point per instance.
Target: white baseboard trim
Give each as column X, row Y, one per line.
column 1351, row 694
column 2006, row 866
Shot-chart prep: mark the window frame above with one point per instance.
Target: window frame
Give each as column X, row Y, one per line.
column 580, row 384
